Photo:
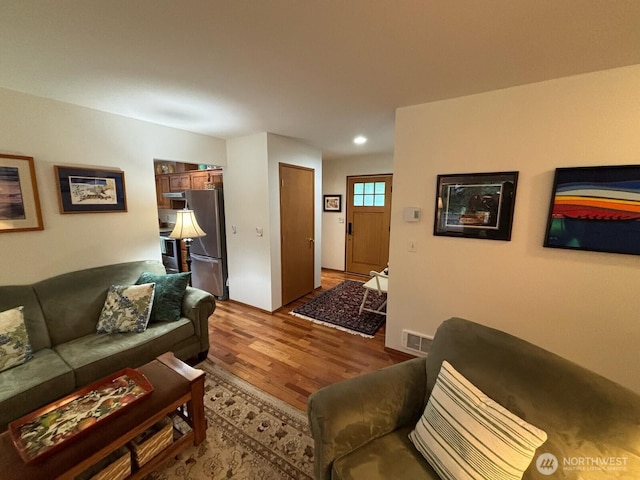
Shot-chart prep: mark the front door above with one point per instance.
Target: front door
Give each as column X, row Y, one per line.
column 297, row 240
column 368, row 222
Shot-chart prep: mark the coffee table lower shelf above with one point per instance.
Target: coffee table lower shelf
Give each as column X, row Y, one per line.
column 174, row 449
column 177, row 388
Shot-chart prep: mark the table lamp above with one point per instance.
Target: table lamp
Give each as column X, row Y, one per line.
column 187, row 229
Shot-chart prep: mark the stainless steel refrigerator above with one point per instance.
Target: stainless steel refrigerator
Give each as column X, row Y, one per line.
column 209, row 253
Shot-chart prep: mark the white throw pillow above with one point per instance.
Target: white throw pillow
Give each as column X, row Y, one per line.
column 126, row 309
column 15, row 348
column 465, row 435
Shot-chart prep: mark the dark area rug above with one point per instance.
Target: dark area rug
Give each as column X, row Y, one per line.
column 339, row 306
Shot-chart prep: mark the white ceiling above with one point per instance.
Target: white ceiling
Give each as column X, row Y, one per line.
column 318, row 70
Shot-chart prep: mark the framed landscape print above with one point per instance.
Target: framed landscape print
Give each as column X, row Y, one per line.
column 475, row 205
column 90, row 190
column 595, row 208
column 19, row 198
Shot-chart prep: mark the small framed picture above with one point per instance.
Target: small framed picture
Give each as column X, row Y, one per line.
column 332, row 203
column 19, row 199
column 475, row 205
column 90, row 190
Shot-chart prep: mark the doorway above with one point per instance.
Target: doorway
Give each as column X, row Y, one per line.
column 297, row 240
column 368, row 223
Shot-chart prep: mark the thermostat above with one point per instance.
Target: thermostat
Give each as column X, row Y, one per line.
column 411, row 214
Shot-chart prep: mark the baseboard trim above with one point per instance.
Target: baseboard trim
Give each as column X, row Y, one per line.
column 246, row 305
column 399, row 353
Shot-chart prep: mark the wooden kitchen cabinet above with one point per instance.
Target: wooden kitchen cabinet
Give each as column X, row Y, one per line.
column 216, row 178
column 201, row 177
column 179, row 182
column 198, row 179
column 162, row 186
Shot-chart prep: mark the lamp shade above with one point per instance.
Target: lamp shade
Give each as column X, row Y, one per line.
column 186, row 225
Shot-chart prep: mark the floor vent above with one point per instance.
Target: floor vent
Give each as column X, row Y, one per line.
column 416, row 341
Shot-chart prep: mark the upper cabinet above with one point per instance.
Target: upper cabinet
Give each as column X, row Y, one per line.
column 201, row 179
column 162, row 186
column 179, row 182
column 198, row 179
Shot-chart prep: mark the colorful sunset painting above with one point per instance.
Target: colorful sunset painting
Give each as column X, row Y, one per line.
column 596, row 208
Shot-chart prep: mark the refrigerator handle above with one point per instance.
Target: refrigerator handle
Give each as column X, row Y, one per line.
column 197, row 256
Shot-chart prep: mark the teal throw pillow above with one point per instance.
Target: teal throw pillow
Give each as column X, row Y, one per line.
column 127, row 309
column 170, row 288
column 15, row 348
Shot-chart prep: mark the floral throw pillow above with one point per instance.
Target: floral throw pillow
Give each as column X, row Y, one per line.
column 15, row 348
column 127, row 308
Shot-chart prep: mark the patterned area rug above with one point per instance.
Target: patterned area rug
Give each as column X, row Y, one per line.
column 339, row 307
column 250, row 435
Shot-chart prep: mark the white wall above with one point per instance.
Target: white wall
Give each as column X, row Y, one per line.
column 246, row 194
column 581, row 305
column 252, row 200
column 56, row 133
column 334, row 182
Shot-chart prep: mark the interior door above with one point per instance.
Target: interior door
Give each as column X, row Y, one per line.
column 368, row 222
column 296, row 231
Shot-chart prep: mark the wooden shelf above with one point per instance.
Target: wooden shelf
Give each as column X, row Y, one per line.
column 162, row 457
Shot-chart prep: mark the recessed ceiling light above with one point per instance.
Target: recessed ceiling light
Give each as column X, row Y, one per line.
column 359, row 140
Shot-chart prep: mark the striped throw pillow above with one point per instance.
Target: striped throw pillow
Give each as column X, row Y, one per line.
column 465, row 435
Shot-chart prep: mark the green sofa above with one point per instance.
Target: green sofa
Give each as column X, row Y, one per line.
column 61, row 314
column 360, row 426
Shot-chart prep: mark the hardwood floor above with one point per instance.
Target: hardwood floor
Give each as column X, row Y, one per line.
column 289, row 357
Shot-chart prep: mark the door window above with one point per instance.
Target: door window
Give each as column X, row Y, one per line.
column 368, row 194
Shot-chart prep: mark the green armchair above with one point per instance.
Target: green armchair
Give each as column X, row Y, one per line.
column 361, row 426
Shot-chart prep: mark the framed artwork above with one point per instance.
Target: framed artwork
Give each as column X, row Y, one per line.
column 332, row 203
column 475, row 205
column 90, row 190
column 595, row 208
column 19, row 198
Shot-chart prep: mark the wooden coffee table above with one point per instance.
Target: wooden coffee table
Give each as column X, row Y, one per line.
column 177, row 386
